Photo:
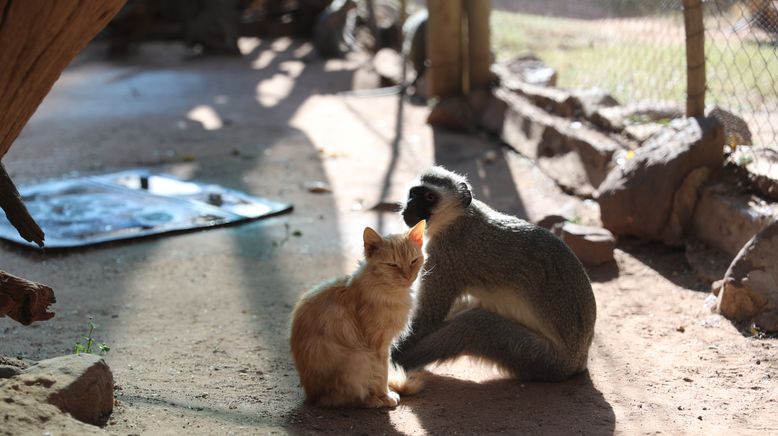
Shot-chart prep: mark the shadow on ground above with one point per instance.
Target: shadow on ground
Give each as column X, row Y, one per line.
column 450, row 405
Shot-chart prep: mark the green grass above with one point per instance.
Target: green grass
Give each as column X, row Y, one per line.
column 639, row 63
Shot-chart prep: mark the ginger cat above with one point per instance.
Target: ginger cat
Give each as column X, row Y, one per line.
column 342, row 329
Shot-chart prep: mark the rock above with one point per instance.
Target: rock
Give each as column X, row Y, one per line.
column 8, row 371
column 684, row 201
column 726, row 217
column 587, row 100
column 758, row 166
column 616, row 118
column 538, row 135
column 639, row 197
column 592, row 245
column 642, row 132
column 81, row 385
column 569, row 172
column 548, row 221
column 736, row 131
column 750, row 288
column 529, row 69
column 541, row 197
column 489, row 110
column 551, row 100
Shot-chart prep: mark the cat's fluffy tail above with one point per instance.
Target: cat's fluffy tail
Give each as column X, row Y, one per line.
column 405, row 383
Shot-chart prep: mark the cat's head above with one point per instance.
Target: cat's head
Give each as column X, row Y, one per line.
column 395, row 257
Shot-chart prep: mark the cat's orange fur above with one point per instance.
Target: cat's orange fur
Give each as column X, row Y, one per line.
column 342, row 329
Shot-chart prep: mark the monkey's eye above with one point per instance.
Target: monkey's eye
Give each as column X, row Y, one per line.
column 393, row 265
column 430, row 196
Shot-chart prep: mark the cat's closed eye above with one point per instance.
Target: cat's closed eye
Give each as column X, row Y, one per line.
column 393, row 265
column 413, row 262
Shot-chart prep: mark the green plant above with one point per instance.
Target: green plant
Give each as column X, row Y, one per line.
column 79, row 348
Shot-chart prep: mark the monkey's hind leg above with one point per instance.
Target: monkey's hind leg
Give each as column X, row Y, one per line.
column 480, row 333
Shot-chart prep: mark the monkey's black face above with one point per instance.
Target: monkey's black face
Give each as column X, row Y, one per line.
column 421, row 202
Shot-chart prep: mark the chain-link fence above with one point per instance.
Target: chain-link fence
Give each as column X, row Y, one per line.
column 636, row 50
column 741, row 45
column 632, row 49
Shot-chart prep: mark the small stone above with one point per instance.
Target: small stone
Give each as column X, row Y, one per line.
column 549, row 221
column 318, row 187
column 687, row 379
column 680, row 328
column 592, row 245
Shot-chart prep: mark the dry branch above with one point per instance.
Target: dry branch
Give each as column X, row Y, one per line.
column 23, row 300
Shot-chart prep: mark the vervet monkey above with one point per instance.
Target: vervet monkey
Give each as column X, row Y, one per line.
column 494, row 287
column 333, row 35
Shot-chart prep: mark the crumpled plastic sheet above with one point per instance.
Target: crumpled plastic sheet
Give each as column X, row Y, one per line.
column 131, row 204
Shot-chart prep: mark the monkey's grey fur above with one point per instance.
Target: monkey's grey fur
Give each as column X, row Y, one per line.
column 333, row 34
column 534, row 308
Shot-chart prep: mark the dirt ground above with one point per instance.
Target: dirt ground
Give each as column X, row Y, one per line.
column 197, row 322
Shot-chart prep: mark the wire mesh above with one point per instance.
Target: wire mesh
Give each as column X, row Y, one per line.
column 636, row 51
column 633, row 49
column 742, row 78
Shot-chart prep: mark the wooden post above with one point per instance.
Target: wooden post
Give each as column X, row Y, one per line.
column 479, row 46
column 695, row 57
column 444, row 30
column 38, row 39
column 23, row 300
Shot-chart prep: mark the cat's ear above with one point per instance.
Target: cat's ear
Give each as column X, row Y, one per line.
column 372, row 241
column 416, row 234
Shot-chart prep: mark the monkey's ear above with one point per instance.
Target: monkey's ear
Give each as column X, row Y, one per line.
column 416, row 234
column 464, row 194
column 372, row 241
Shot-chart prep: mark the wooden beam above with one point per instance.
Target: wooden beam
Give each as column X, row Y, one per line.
column 444, row 54
column 23, row 300
column 695, row 57
column 479, row 46
column 38, row 39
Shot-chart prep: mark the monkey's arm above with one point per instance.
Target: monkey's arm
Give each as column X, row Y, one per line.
column 437, row 293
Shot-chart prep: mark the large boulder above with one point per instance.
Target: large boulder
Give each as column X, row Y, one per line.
column 652, row 194
column 749, row 291
column 81, row 385
column 736, row 131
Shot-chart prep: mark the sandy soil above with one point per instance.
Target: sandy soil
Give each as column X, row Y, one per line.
column 198, row 322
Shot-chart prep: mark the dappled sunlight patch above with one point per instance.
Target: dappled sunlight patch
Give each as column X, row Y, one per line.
column 263, row 60
column 281, row 44
column 272, row 91
column 206, row 116
column 247, row 45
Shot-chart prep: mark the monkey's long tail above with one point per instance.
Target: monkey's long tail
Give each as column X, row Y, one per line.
column 405, row 383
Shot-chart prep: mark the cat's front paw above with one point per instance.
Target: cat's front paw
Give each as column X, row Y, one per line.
column 392, row 398
column 376, row 401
